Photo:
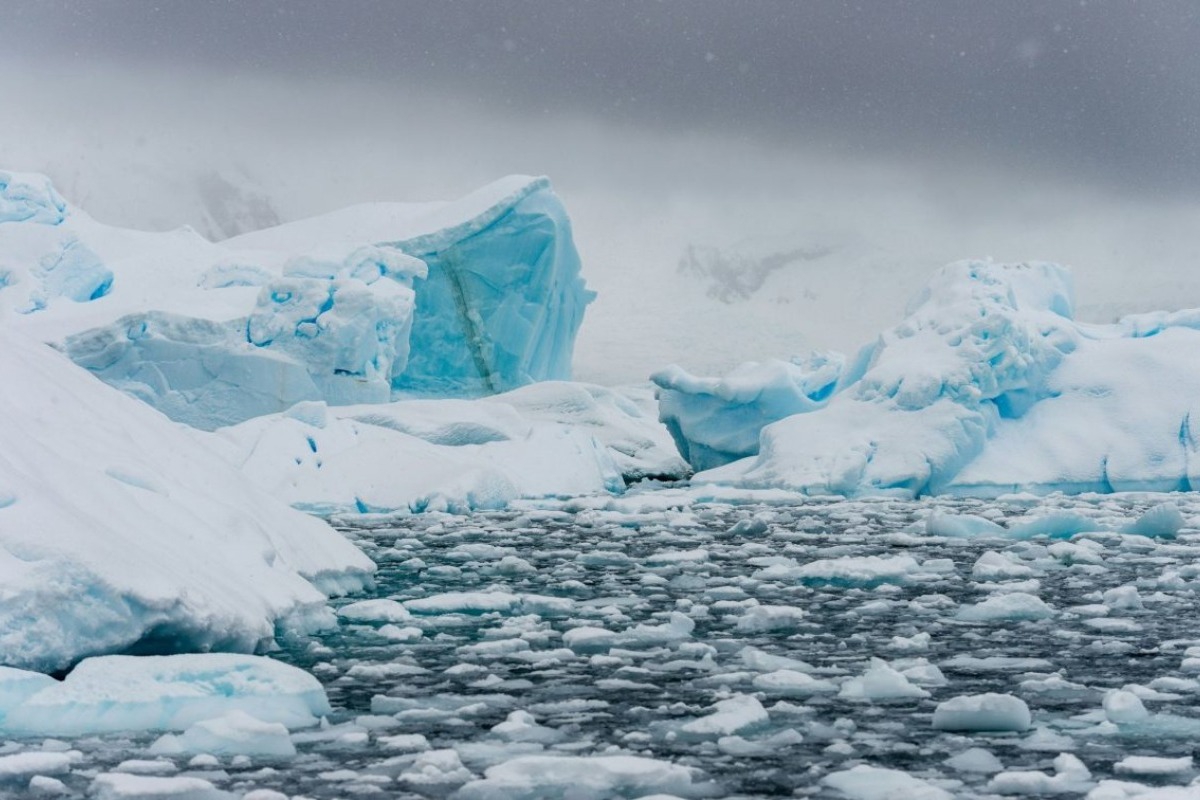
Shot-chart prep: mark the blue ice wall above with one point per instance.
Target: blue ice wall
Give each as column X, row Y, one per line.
column 502, row 303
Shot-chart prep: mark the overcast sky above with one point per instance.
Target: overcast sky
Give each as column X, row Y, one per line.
column 1107, row 90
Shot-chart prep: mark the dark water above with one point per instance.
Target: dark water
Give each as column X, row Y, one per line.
column 672, row 588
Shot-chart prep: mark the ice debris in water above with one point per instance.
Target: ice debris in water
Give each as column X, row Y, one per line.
column 623, row 662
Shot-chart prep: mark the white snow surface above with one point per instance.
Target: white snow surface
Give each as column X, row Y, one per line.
column 119, row 530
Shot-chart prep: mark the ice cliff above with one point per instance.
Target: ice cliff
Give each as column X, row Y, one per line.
column 987, row 386
column 364, row 305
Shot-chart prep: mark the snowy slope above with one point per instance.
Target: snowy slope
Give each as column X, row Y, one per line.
column 120, row 532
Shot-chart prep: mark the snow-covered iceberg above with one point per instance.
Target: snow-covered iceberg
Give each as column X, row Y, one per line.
column 552, row 438
column 988, row 386
column 470, row 297
column 121, row 532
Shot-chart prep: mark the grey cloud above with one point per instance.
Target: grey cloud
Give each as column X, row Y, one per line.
column 1103, row 89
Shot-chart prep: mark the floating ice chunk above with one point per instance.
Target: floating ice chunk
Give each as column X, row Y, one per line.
column 733, row 715
column 975, row 759
column 876, row 783
column 18, row 685
column 763, row 661
column 880, row 682
column 1008, row 607
column 404, row 742
column 983, row 664
column 395, row 633
column 465, row 603
column 867, row 571
column 992, row 566
column 1123, row 707
column 129, row 693
column 25, row 765
column 536, row 777
column 233, row 733
column 982, row 712
column 1070, row 776
column 961, row 526
column 789, row 683
column 1056, row 688
column 522, row 727
column 590, row 639
column 119, row 786
column 677, row 628
column 1123, row 598
column 909, row 644
column 1152, row 765
column 668, row 557
column 381, row 610
column 45, row 786
column 761, row 619
column 1162, row 521
column 436, row 771
column 766, row 747
column 1059, row 525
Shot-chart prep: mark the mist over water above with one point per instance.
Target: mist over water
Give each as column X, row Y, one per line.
column 890, row 143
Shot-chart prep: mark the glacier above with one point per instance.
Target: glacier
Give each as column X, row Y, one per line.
column 365, row 305
column 122, row 532
column 987, row 387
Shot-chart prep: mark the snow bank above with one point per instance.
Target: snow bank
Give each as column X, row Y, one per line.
column 119, row 532
column 987, row 387
column 170, row 693
column 549, row 439
column 472, row 297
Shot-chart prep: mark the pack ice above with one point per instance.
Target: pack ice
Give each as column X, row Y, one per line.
column 377, row 301
column 120, row 531
column 988, row 386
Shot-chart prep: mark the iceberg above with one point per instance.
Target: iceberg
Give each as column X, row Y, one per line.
column 121, row 532
column 717, row 420
column 549, row 439
column 166, row 693
column 988, row 386
column 365, row 305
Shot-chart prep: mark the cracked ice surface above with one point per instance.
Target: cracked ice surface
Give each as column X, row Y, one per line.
column 667, row 643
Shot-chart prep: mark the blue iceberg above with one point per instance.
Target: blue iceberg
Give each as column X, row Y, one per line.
column 370, row 304
column 988, row 386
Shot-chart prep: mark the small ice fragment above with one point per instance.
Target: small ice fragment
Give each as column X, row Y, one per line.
column 975, row 759
column 1006, row 607
column 876, row 783
column 1152, row 765
column 880, row 682
column 982, row 712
